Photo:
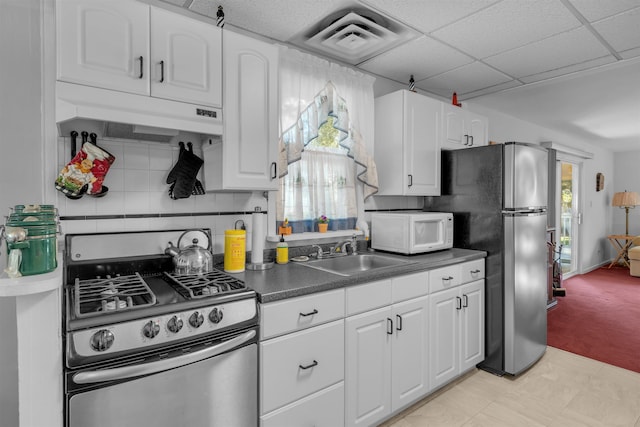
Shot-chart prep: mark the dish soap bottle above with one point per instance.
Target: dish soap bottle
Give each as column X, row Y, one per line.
column 282, row 251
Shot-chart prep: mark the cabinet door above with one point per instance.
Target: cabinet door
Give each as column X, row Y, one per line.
column 251, row 113
column 299, row 364
column 422, row 116
column 368, row 365
column 409, row 379
column 444, row 310
column 453, row 128
column 477, row 129
column 322, row 409
column 472, row 325
column 104, row 44
column 186, row 57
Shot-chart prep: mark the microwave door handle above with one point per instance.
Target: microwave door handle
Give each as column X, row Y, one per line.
column 90, row 377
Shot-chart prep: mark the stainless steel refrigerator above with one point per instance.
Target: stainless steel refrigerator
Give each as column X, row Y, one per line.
column 498, row 195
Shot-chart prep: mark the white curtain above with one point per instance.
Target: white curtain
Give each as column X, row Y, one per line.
column 311, row 89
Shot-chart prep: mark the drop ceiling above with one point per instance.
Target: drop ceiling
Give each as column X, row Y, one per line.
column 496, row 50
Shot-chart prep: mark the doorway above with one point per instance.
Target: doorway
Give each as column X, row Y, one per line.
column 570, row 218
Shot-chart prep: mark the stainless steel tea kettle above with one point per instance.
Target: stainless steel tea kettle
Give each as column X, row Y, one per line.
column 192, row 259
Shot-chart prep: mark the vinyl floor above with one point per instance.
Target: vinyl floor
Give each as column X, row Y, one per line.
column 562, row 390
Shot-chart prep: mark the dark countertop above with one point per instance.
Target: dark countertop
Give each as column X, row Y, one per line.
column 294, row 279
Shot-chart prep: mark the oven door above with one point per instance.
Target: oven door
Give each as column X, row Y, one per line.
column 213, row 386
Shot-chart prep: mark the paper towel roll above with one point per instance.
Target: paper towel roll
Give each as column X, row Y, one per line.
column 257, row 238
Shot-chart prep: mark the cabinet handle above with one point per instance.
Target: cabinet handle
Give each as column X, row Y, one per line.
column 410, row 180
column 161, row 71
column 141, row 59
column 274, row 170
column 399, row 323
column 458, row 303
column 311, row 313
column 465, row 300
column 389, row 326
column 309, row 366
column 446, row 280
column 471, row 136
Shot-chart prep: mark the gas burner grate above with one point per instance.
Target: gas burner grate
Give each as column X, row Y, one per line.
column 94, row 297
column 204, row 285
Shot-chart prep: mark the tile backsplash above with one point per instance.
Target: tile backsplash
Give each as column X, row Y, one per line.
column 138, row 197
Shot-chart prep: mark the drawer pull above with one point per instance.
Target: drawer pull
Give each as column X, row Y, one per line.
column 447, row 279
column 311, row 313
column 399, row 322
column 311, row 365
column 474, row 272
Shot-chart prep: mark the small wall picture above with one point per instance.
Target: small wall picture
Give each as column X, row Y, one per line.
column 599, row 181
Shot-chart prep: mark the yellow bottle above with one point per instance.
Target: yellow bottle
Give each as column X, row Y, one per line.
column 282, row 251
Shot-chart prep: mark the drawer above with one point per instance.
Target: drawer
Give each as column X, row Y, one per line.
column 322, row 409
column 410, row 286
column 472, row 270
column 444, row 278
column 299, row 364
column 368, row 296
column 294, row 314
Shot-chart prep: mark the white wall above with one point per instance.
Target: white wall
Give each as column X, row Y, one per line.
column 626, row 177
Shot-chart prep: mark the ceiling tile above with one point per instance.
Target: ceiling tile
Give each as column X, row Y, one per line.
column 463, row 80
column 622, row 31
column 428, row 16
column 491, row 89
column 631, row 53
column 598, row 62
column 555, row 52
column 280, row 19
column 423, row 57
column 595, row 10
column 507, row 25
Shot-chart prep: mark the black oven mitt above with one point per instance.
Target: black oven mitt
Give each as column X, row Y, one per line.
column 183, row 175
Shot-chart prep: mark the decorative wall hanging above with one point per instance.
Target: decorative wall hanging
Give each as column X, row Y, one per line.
column 599, row 181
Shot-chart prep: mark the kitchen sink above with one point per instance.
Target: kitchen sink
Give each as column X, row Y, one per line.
column 349, row 265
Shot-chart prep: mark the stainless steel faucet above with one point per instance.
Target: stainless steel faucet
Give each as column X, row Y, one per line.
column 319, row 252
column 341, row 247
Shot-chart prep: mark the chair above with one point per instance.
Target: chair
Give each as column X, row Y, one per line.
column 634, row 257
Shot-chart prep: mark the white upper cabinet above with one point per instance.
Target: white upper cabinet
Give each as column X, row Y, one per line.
column 132, row 47
column 407, row 144
column 246, row 158
column 186, row 59
column 463, row 128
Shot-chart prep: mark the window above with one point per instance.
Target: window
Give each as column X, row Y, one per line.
column 325, row 168
column 322, row 182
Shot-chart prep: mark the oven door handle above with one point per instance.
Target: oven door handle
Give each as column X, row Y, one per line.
column 89, row 377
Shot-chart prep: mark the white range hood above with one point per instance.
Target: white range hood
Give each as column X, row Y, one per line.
column 128, row 116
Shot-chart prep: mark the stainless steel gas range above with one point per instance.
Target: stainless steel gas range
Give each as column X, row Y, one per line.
column 147, row 346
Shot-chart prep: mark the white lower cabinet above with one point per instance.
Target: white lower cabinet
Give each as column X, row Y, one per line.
column 302, row 362
column 386, row 356
column 356, row 356
column 456, row 337
column 322, row 409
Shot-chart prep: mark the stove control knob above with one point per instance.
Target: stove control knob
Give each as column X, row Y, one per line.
column 151, row 329
column 174, row 324
column 102, row 340
column 196, row 319
column 216, row 315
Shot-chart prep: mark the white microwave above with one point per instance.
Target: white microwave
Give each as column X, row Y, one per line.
column 411, row 232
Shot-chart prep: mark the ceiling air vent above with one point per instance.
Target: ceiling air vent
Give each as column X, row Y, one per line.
column 356, row 35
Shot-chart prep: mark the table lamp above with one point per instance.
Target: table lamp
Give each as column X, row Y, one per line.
column 627, row 200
